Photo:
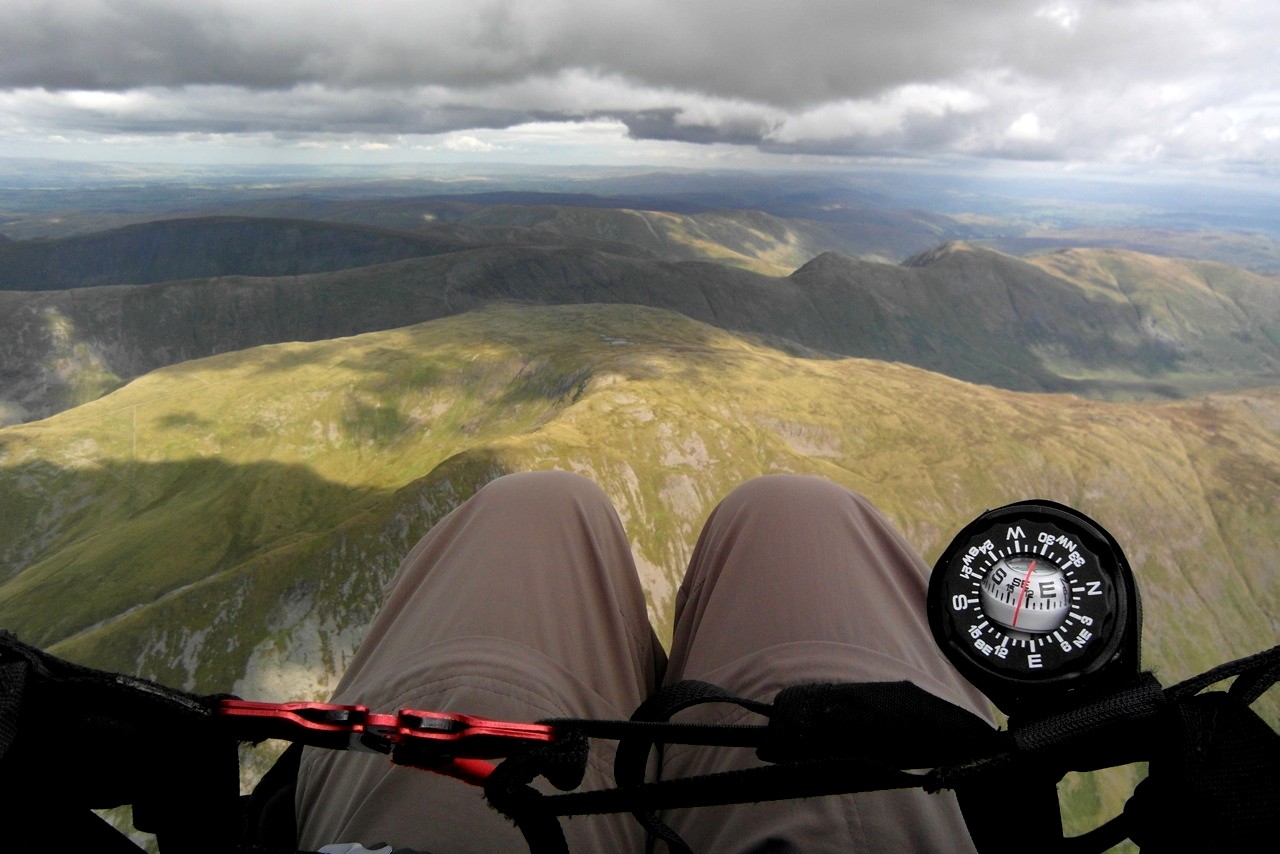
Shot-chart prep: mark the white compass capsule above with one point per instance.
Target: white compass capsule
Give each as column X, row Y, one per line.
column 1026, row 594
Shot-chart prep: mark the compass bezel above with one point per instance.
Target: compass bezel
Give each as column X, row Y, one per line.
column 1041, row 669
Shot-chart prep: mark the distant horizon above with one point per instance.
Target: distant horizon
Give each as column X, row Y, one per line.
column 975, row 168
column 268, row 158
column 935, row 184
column 1233, row 220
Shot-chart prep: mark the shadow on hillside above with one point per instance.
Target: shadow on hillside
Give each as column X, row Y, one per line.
column 192, row 248
column 108, row 558
column 400, row 368
column 86, row 542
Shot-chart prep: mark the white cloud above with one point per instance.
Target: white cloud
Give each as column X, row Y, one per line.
column 1027, row 127
column 468, row 143
column 890, row 114
column 1062, row 15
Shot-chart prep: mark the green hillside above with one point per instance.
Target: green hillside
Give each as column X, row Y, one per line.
column 1105, row 324
column 751, row 240
column 1212, row 318
column 227, row 524
column 187, row 248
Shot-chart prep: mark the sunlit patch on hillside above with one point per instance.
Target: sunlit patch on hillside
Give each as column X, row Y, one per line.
column 77, row 366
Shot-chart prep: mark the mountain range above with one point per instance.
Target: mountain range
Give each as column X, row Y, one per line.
column 1103, row 323
column 218, row 450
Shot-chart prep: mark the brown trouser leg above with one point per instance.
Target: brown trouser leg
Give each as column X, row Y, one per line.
column 524, row 604
column 798, row 580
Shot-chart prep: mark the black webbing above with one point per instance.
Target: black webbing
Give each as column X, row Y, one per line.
column 563, row 763
column 1254, row 669
column 897, row 723
column 632, row 757
column 1213, row 781
column 1110, row 730
column 1213, row 778
column 73, row 739
column 13, row 683
column 1217, row 763
column 750, row 785
column 824, row 739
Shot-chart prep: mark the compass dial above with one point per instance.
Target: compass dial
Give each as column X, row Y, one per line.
column 1029, row 596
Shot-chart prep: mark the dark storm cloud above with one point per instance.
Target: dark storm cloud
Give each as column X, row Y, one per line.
column 228, row 109
column 784, row 54
column 1118, row 79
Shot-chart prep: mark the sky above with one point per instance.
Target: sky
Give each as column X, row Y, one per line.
column 1178, row 87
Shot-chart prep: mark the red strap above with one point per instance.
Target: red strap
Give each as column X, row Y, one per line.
column 443, row 742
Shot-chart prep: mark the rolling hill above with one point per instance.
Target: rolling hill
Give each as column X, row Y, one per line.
column 227, row 523
column 747, row 238
column 1101, row 323
column 206, row 247
column 189, row 248
column 891, row 213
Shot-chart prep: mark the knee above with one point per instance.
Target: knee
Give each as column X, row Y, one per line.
column 798, row 502
column 541, row 490
column 792, row 490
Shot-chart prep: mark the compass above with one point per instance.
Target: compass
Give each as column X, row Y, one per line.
column 1034, row 601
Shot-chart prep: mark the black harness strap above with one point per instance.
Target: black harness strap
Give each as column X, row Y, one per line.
column 1219, row 764
column 74, row 739
column 563, row 764
column 1110, row 730
column 1254, row 675
column 1114, row 729
column 817, row 736
column 633, row 752
column 13, row 684
column 1213, row 777
column 897, row 723
column 747, row 786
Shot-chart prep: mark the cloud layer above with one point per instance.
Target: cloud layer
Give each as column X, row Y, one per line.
column 1166, row 81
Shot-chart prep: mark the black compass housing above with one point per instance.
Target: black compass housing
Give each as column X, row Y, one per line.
column 1035, row 603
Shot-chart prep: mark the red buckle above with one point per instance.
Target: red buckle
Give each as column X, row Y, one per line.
column 438, row 741
column 317, row 724
column 455, row 735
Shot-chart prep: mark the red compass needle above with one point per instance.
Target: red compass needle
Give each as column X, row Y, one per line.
column 1022, row 594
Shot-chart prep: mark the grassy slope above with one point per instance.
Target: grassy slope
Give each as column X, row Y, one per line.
column 1251, row 250
column 1106, row 324
column 1216, row 320
column 186, row 248
column 228, row 523
column 748, row 239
